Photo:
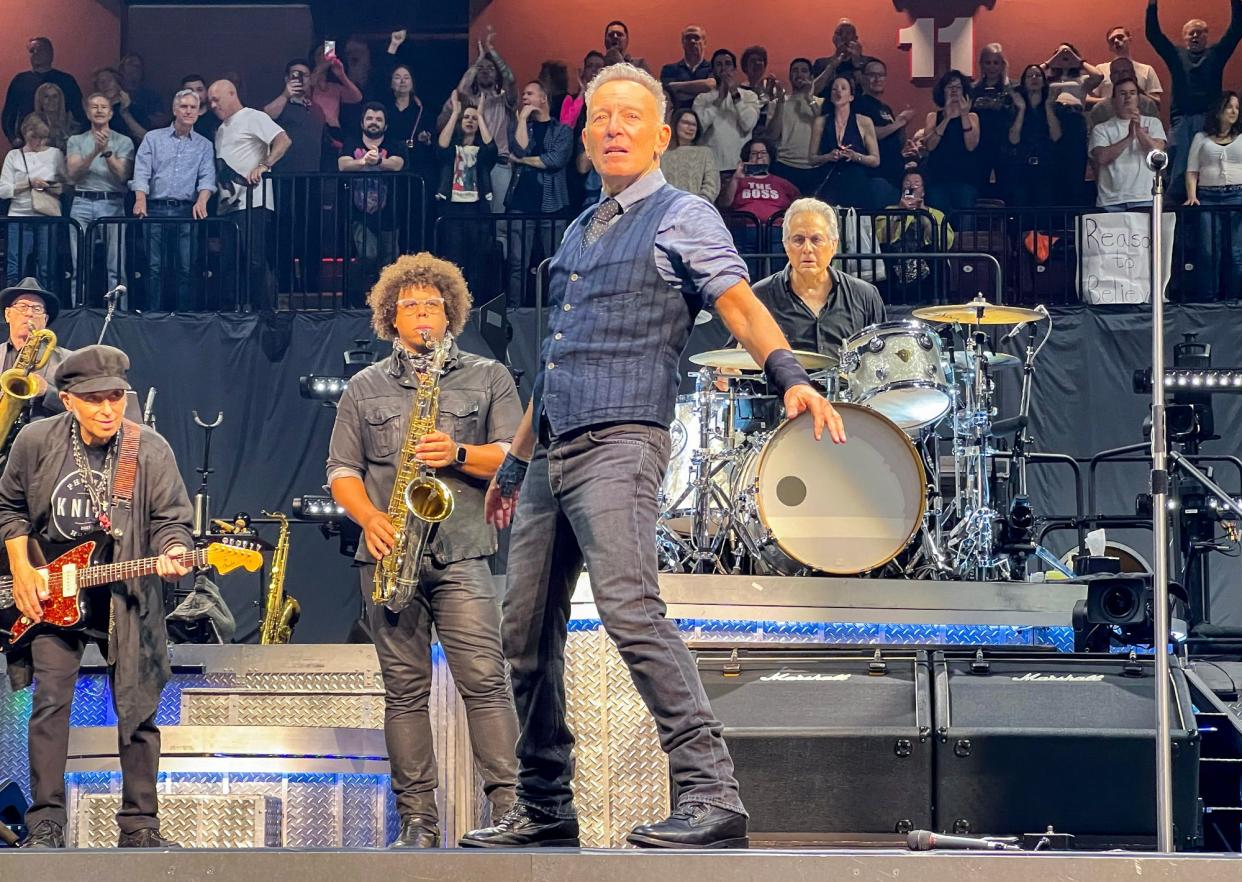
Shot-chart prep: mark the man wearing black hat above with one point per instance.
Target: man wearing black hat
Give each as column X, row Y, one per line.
column 29, row 308
column 66, row 483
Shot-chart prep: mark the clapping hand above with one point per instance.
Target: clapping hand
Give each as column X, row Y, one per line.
column 101, row 140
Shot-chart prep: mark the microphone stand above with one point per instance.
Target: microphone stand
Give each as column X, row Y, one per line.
column 1156, row 161
column 111, row 297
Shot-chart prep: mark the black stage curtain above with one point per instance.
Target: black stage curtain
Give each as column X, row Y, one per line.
column 272, row 443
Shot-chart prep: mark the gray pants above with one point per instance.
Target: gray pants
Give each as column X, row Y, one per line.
column 57, row 658
column 460, row 600
column 593, row 497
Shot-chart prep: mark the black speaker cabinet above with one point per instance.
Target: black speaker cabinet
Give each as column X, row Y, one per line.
column 1022, row 743
column 826, row 741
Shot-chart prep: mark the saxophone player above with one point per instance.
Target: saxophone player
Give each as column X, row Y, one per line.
column 29, row 308
column 415, row 302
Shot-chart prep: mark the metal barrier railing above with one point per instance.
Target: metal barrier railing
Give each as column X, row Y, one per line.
column 167, row 264
column 43, row 247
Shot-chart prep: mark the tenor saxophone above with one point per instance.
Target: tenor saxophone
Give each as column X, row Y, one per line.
column 17, row 386
column 280, row 612
column 419, row 500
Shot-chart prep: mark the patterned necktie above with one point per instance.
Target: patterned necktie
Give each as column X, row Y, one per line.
column 607, row 210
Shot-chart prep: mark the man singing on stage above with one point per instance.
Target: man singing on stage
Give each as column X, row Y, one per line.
column 630, row 276
column 479, row 410
column 72, row 478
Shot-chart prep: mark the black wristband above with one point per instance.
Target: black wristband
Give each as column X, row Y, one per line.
column 783, row 371
column 510, row 475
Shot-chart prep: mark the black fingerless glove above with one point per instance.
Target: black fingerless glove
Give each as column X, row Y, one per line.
column 510, row 475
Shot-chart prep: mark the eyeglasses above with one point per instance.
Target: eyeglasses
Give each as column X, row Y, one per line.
column 431, row 306
column 817, row 241
column 29, row 308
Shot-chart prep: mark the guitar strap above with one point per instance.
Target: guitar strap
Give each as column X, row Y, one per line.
column 126, row 465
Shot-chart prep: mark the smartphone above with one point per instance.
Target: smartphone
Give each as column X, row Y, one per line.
column 754, row 169
column 329, row 48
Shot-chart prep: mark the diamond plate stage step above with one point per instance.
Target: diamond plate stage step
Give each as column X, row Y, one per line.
column 232, row 821
column 315, row 708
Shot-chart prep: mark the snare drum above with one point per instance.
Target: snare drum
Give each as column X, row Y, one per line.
column 896, row 368
column 838, row 508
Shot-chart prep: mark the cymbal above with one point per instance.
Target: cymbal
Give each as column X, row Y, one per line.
column 977, row 312
column 740, row 360
column 963, row 362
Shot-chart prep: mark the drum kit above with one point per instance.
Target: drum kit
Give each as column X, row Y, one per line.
column 749, row 492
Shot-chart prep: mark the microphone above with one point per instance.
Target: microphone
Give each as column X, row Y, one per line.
column 926, row 840
column 148, row 410
column 116, row 292
column 1017, row 329
column 1157, row 160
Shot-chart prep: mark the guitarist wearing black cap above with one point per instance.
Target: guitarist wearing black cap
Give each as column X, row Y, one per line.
column 90, row 475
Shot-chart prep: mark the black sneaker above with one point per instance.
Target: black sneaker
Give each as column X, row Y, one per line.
column 147, row 837
column 694, row 825
column 45, row 834
column 525, row 827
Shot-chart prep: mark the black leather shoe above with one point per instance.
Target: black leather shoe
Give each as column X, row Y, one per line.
column 46, row 834
column 694, row 825
column 417, row 833
column 147, row 837
column 525, row 827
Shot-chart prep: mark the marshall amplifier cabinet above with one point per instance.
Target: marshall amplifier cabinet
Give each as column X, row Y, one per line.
column 1027, row 742
column 828, row 744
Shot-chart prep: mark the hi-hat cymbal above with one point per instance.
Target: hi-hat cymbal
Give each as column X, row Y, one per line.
column 977, row 312
column 740, row 360
column 964, row 362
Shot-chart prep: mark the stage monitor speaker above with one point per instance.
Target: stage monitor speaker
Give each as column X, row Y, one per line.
column 1024, row 743
column 827, row 744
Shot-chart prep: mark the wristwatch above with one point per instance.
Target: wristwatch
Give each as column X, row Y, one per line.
column 107, row 154
column 460, row 456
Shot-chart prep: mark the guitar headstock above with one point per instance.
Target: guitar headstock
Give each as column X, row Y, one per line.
column 229, row 555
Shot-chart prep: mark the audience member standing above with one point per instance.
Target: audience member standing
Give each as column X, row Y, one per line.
column 488, row 85
column 686, row 165
column 846, row 143
column 952, row 136
column 301, row 119
column 728, row 113
column 1196, row 71
column 206, row 124
column 50, row 104
column 691, row 76
column 1070, row 79
column 1214, row 177
column 1119, row 41
column 1034, row 131
column 790, row 128
column 248, row 145
column 33, row 177
column 19, row 100
column 993, row 104
column 126, row 118
column 150, row 106
column 1120, row 146
column 100, row 163
column 375, row 216
column 617, row 45
column 890, row 132
column 174, row 176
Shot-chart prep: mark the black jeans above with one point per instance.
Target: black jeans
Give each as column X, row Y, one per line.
column 57, row 657
column 460, row 600
column 593, row 497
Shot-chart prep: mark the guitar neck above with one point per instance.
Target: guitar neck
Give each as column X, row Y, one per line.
column 104, row 574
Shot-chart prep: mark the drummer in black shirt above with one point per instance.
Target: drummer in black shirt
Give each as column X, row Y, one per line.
column 817, row 307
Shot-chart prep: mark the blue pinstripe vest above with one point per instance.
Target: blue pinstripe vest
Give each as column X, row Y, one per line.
column 616, row 329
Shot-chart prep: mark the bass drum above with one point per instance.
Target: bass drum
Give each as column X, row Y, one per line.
column 837, row 508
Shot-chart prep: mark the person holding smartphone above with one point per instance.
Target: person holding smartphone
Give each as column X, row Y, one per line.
column 301, row 119
column 753, row 188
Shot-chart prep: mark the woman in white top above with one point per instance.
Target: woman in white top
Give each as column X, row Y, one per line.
column 1214, row 178
column 36, row 166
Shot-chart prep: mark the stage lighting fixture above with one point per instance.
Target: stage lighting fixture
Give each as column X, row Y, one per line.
column 317, row 508
column 326, row 389
column 1182, row 379
column 358, row 358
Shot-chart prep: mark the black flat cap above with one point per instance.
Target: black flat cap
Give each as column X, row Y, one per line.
column 93, row 369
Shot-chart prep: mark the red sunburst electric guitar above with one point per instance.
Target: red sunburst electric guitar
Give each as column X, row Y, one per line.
column 72, row 572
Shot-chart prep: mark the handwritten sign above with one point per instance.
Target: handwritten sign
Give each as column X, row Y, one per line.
column 1114, row 257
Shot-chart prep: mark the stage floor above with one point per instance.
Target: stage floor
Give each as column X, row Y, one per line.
column 622, row 865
